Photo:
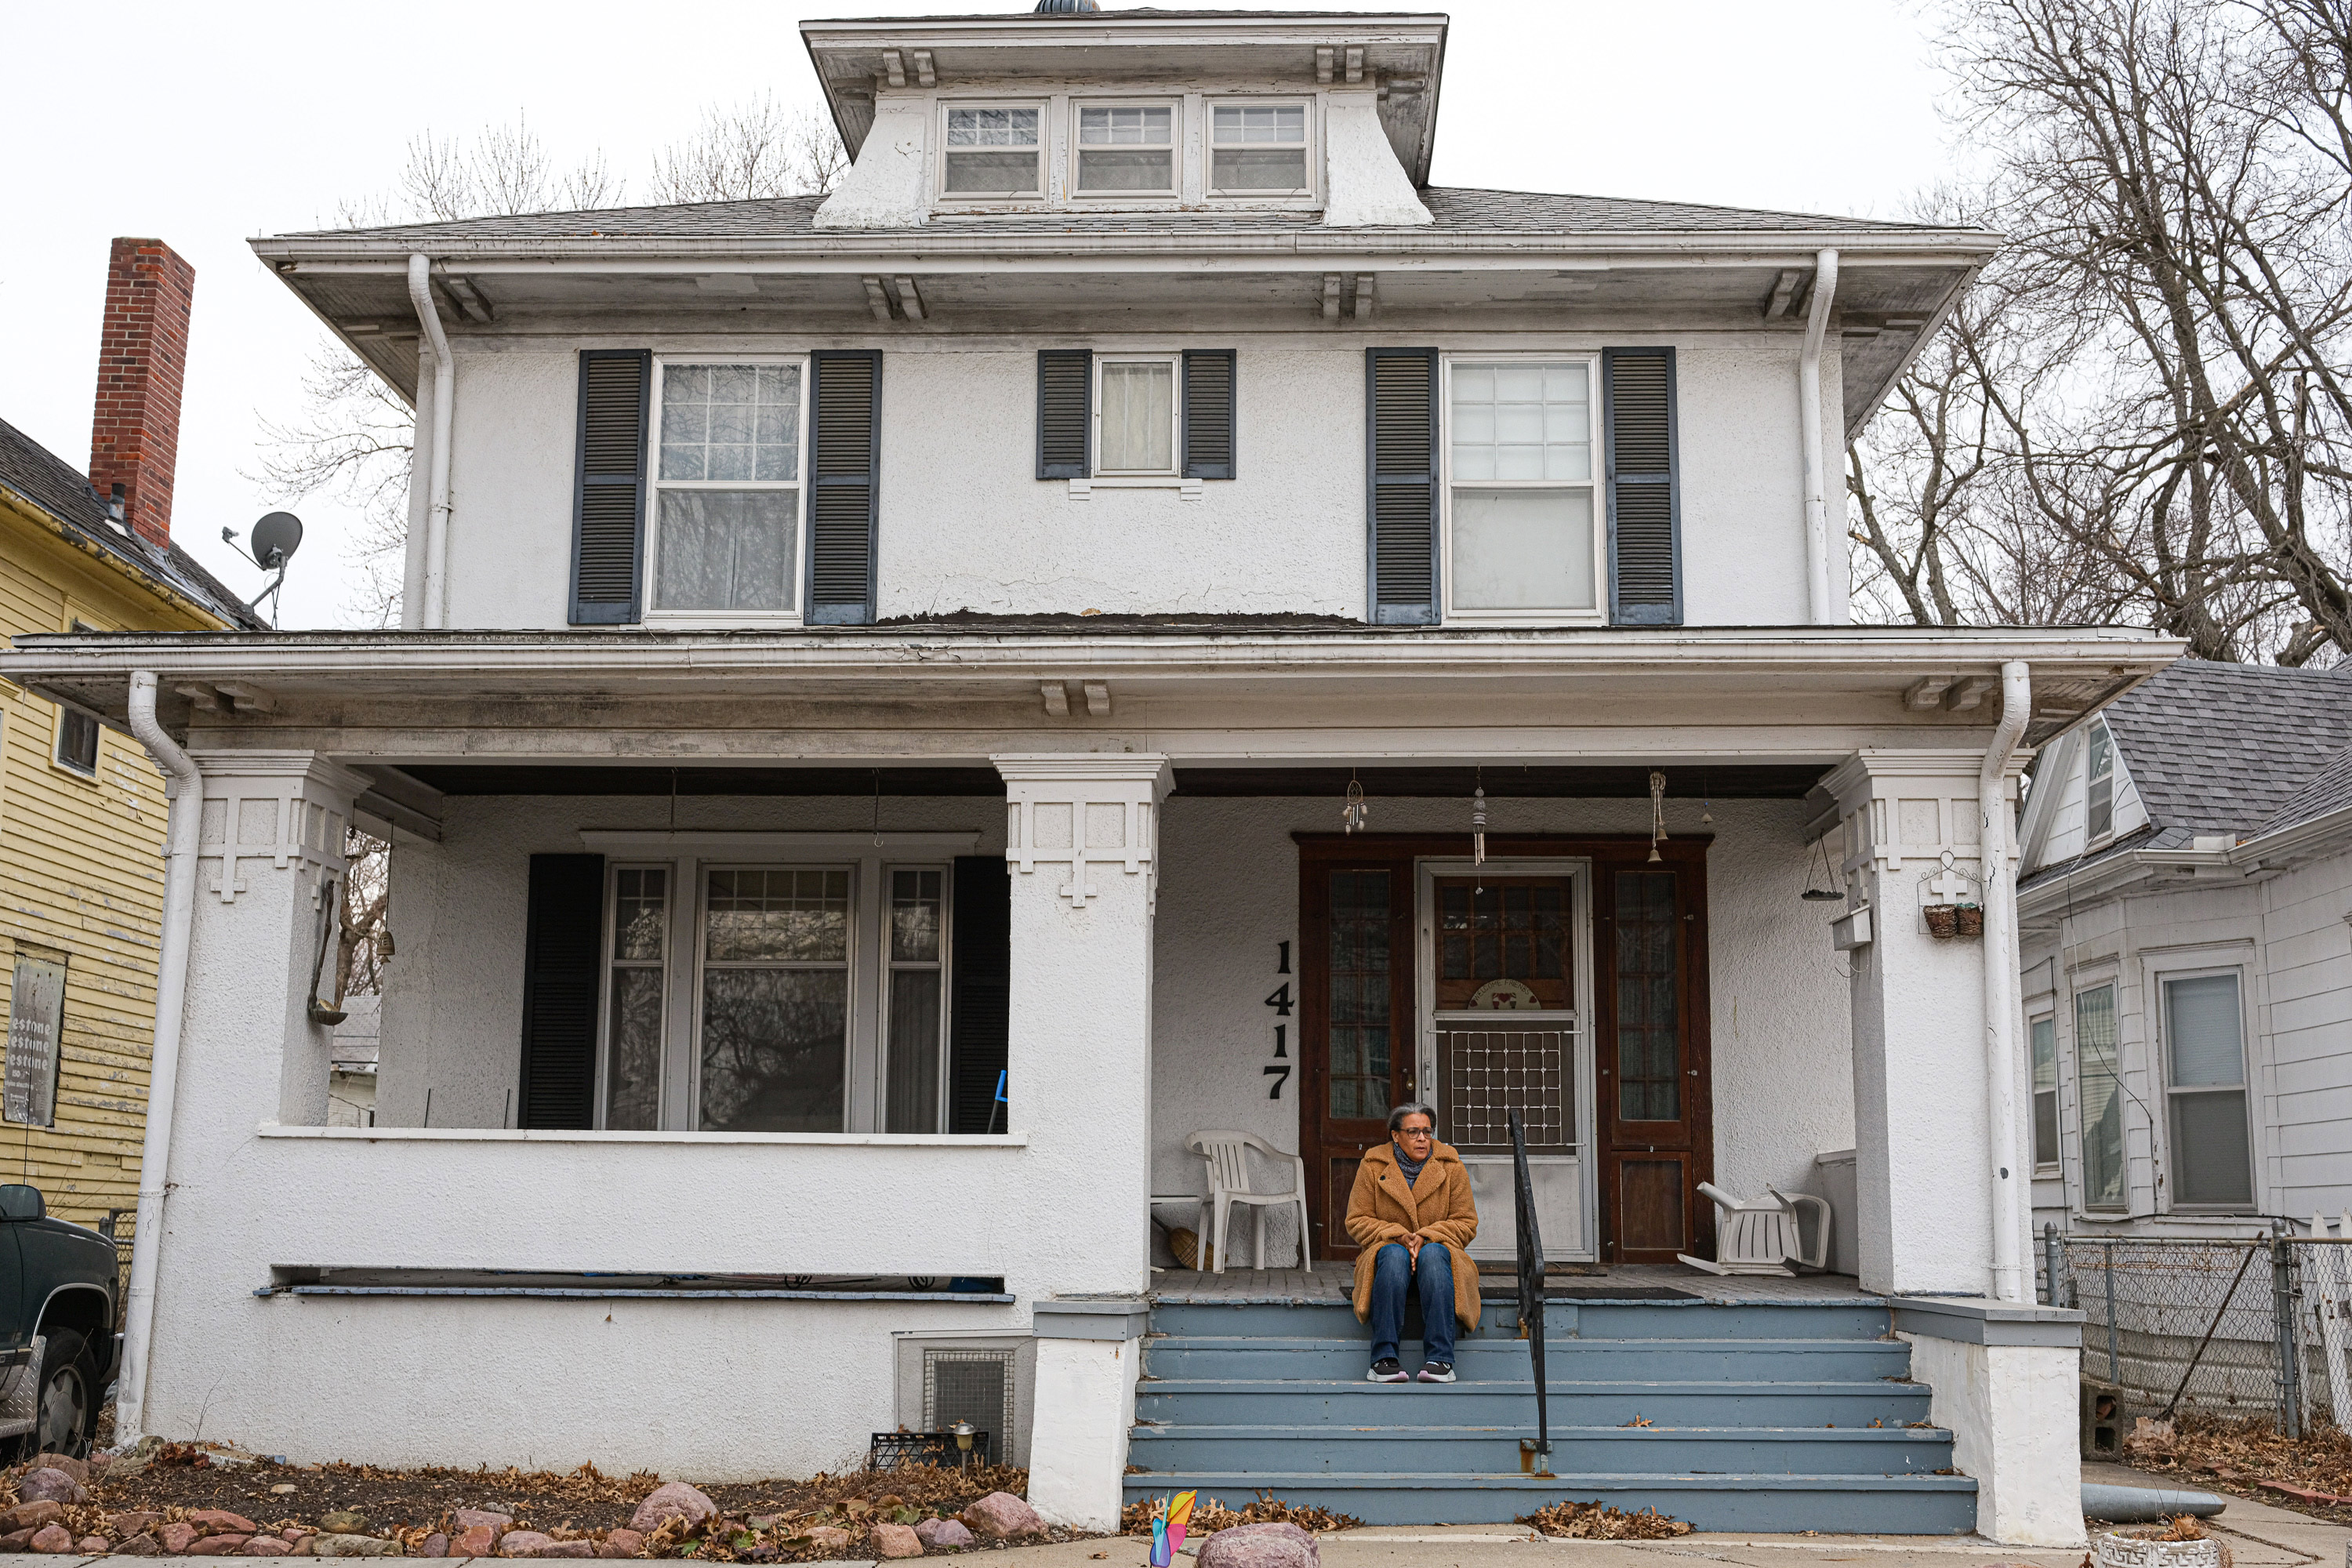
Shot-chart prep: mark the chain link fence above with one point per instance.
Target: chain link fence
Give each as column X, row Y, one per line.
column 2258, row 1327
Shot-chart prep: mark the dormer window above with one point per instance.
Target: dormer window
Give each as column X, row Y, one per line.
column 2102, row 772
column 1257, row 149
column 993, row 151
column 1126, row 149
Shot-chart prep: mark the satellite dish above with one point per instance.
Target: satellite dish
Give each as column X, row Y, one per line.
column 275, row 538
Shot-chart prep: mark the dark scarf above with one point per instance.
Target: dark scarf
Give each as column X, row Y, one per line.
column 1411, row 1167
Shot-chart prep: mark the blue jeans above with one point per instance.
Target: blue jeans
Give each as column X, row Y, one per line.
column 1393, row 1273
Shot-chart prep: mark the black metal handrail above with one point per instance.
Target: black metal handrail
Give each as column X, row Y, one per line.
column 1535, row 1456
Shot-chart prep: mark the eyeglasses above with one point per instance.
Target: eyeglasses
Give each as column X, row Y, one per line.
column 1416, row 1132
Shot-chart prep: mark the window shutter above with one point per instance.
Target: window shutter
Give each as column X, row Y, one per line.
column 608, row 507
column 980, row 1011
column 1208, row 414
column 1401, row 460
column 844, row 514
column 1645, row 515
column 561, row 953
column 1065, row 413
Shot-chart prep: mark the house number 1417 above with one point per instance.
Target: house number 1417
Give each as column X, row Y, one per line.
column 1279, row 1069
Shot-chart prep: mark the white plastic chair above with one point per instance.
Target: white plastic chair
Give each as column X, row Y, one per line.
column 1761, row 1235
column 1229, row 1183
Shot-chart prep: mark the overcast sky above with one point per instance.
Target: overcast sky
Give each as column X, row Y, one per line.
column 207, row 124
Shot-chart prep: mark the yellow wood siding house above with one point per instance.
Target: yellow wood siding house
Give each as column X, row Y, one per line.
column 81, row 807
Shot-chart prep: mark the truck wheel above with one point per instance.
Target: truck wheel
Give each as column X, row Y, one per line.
column 69, row 1408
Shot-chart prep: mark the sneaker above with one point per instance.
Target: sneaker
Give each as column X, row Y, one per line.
column 1386, row 1370
column 1437, row 1372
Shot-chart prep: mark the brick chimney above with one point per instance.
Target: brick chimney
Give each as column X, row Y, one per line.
column 142, row 355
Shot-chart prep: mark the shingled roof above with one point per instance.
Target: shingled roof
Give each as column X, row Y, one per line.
column 2220, row 748
column 56, row 487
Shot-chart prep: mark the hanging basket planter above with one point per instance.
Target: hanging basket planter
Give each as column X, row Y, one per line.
column 1969, row 919
column 2140, row 1549
column 1944, row 920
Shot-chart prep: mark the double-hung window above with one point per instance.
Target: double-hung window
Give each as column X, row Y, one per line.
column 1136, row 412
column 994, row 151
column 1257, row 150
column 2099, row 818
column 1523, row 538
column 773, row 1025
column 2044, row 1032
column 727, row 487
column 2205, row 1092
column 2100, row 1090
column 1126, row 149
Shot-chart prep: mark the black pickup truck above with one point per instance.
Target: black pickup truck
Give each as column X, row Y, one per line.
column 58, row 1305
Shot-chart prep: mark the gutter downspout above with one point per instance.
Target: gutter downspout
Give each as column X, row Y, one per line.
column 2002, row 1127
column 445, row 393
column 180, row 844
column 1808, row 421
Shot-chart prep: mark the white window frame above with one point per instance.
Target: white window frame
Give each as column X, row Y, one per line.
column 944, row 197
column 2097, row 729
column 2160, row 1031
column 944, row 965
column 665, row 965
column 57, row 745
column 2057, row 1162
column 1178, row 143
column 1312, row 163
column 1453, row 615
column 1175, row 361
column 2072, row 1046
column 795, row 587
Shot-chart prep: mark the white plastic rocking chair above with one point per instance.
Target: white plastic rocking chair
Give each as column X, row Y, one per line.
column 1762, row 1235
column 1229, row 1183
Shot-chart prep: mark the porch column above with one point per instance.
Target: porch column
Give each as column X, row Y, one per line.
column 268, row 870
column 1081, row 836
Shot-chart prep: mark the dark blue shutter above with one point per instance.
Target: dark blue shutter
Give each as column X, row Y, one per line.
column 980, row 1009
column 1400, row 457
column 843, row 507
column 608, row 505
column 1209, row 414
column 562, row 954
column 1065, row 413
column 1646, row 514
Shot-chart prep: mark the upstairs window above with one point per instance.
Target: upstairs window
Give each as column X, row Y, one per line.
column 1523, row 539
column 1135, row 415
column 2101, row 820
column 1257, row 150
column 726, row 504
column 993, row 151
column 1126, row 150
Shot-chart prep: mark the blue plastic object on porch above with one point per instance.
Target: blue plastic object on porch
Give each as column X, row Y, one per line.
column 1000, row 1100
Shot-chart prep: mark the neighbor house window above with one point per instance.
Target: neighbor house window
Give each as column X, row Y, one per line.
column 993, row 151
column 1521, row 525
column 2044, row 1031
column 727, row 487
column 2205, row 1093
column 2102, row 1098
column 77, row 742
column 916, row 1006
column 1126, row 149
column 2100, row 820
column 1257, row 149
column 1135, row 415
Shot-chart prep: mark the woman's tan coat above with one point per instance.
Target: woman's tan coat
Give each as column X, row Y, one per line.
column 1437, row 1208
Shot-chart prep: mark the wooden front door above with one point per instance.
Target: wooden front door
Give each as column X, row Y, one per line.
column 1656, row 1113
column 1355, row 994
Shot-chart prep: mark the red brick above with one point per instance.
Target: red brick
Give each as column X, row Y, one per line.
column 134, row 437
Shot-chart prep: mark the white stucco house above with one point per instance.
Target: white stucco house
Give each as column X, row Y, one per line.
column 865, row 651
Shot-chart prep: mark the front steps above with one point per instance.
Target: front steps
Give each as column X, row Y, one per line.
column 1774, row 1416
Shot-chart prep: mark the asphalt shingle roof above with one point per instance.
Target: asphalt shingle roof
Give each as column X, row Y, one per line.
column 2220, row 748
column 1455, row 210
column 49, row 482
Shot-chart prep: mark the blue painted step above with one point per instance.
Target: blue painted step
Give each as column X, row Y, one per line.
column 1356, row 1402
column 1602, row 1320
column 1495, row 1450
column 1246, row 1356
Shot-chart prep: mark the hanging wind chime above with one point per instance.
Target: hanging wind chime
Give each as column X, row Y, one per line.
column 1352, row 815
column 1707, row 801
column 1479, row 823
column 1658, row 815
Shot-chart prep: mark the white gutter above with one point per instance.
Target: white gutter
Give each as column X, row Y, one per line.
column 2003, row 1128
column 436, row 608
column 185, row 784
column 1808, row 421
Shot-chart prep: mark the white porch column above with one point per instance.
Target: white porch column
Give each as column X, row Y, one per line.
column 269, row 865
column 1082, row 834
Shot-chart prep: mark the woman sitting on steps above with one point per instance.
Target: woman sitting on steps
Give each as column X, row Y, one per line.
column 1411, row 1216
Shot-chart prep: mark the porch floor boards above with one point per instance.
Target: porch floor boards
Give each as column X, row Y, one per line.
column 1332, row 1282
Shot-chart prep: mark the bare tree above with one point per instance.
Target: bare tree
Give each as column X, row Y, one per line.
column 753, row 151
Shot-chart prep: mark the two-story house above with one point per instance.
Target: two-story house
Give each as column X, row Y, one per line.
column 1135, row 614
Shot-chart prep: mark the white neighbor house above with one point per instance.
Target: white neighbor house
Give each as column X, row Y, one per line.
column 855, row 646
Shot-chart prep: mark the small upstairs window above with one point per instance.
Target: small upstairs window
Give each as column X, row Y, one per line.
column 77, row 742
column 993, row 151
column 727, row 487
column 1135, row 415
column 1258, row 149
column 1126, row 149
column 2101, row 818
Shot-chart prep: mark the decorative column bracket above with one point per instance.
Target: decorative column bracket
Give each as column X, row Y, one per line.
column 1082, row 810
column 288, row 808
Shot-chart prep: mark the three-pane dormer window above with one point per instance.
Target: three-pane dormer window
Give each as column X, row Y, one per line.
column 1126, row 150
column 726, row 486
column 993, row 151
column 1257, row 149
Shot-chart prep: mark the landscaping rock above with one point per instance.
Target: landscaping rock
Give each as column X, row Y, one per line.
column 212, row 1519
column 828, row 1538
column 217, row 1545
column 340, row 1545
column 943, row 1534
column 91, row 1545
column 480, row 1541
column 16, row 1540
column 342, row 1521
column 467, row 1518
column 435, row 1545
column 1001, row 1516
column 569, row 1549
column 896, row 1541
column 295, row 1534
column 135, row 1523
column 1261, row 1546
column 49, row 1486
column 177, row 1537
column 264, row 1546
column 139, row 1546
column 621, row 1543
column 673, row 1500
column 523, row 1542
column 78, row 1468
column 33, row 1515
column 52, row 1538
